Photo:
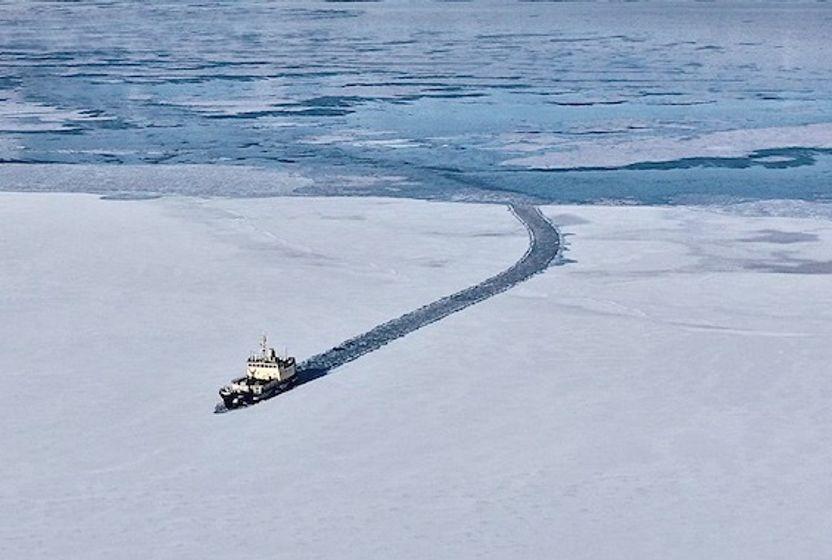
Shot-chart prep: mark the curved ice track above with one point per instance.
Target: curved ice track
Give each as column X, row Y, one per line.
column 544, row 247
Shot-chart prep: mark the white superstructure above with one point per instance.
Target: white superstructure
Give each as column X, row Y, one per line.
column 267, row 365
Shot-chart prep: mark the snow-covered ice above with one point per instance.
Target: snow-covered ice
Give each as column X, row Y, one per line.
column 665, row 394
column 144, row 180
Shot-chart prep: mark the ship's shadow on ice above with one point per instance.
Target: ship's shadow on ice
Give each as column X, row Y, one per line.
column 304, row 375
column 307, row 374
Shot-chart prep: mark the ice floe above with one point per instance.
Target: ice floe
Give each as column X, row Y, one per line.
column 622, row 152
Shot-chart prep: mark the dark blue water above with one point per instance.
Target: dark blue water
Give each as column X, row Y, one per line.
column 556, row 101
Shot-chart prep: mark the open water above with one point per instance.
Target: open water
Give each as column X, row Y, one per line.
column 559, row 101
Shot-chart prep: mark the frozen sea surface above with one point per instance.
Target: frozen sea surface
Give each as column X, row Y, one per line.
column 664, row 396
column 653, row 102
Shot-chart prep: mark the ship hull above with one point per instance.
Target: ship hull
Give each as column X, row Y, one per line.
column 244, row 393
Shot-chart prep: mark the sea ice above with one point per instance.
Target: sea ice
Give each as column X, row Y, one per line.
column 662, row 395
